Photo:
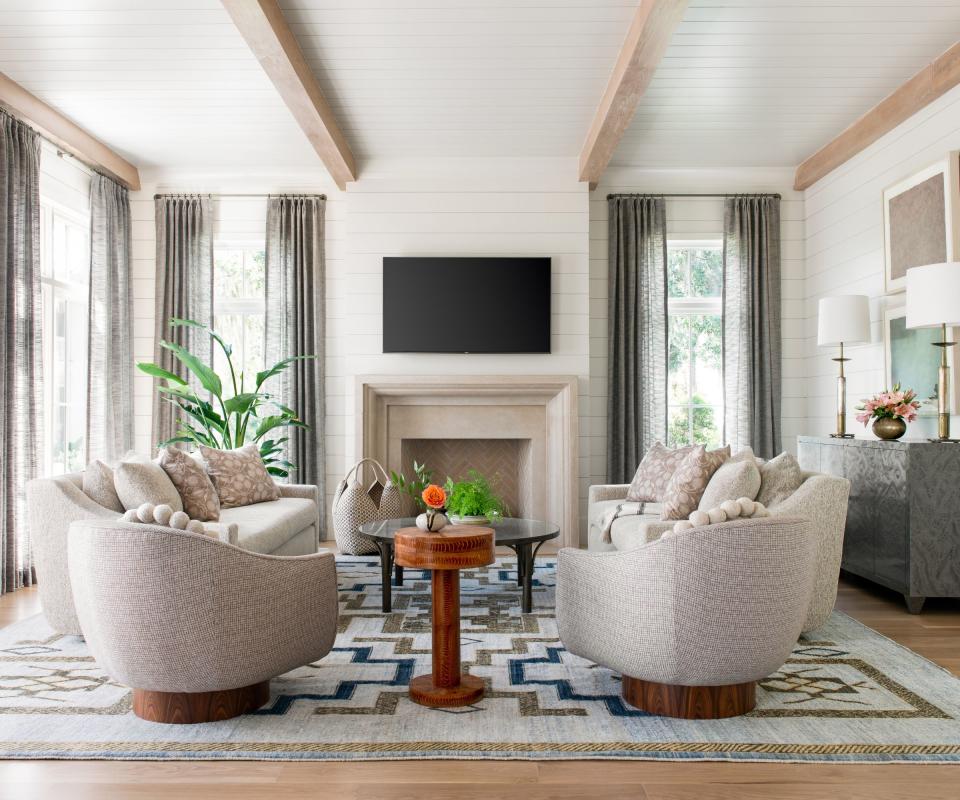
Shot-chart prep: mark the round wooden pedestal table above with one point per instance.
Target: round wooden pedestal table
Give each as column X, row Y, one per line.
column 445, row 553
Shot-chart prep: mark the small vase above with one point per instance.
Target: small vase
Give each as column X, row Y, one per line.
column 889, row 428
column 432, row 521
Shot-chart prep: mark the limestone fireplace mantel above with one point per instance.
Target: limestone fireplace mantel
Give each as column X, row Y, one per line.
column 540, row 409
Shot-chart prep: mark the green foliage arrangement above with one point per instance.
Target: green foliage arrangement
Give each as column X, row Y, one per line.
column 226, row 423
column 415, row 486
column 473, row 498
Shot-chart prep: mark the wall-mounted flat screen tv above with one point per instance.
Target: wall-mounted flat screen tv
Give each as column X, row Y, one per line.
column 466, row 305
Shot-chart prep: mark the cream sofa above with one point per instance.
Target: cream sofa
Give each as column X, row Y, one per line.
column 285, row 527
column 821, row 499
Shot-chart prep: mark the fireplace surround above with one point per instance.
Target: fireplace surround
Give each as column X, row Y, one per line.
column 524, row 427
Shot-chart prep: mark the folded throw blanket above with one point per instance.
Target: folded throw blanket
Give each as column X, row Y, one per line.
column 625, row 509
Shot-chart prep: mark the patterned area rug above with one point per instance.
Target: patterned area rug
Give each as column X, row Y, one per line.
column 848, row 695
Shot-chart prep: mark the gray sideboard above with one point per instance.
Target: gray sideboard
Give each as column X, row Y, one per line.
column 903, row 523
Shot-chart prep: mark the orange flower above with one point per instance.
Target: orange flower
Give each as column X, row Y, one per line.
column 434, row 496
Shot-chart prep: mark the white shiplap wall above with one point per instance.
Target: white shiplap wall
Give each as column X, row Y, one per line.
column 698, row 218
column 461, row 207
column 236, row 219
column 844, row 253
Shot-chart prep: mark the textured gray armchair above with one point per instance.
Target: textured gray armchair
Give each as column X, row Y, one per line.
column 693, row 620
column 821, row 499
column 196, row 626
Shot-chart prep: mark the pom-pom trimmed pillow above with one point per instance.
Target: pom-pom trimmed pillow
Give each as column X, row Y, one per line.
column 654, row 473
column 688, row 483
column 738, row 477
column 239, row 476
column 164, row 515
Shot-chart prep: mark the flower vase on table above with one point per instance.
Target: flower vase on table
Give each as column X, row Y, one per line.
column 890, row 412
column 433, row 519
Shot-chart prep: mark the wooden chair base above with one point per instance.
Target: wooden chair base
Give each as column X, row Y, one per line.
column 426, row 693
column 189, row 708
column 690, row 702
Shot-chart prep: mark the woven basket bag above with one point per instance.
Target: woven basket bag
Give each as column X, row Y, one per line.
column 356, row 503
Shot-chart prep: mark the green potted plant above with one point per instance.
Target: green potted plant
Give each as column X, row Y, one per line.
column 413, row 488
column 473, row 502
column 221, row 422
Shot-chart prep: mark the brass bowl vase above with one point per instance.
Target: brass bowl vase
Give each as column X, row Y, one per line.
column 889, row 428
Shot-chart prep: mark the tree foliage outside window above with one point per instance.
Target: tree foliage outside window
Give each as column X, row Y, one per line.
column 239, row 274
column 695, row 344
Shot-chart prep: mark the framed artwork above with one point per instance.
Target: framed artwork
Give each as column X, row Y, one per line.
column 920, row 223
column 913, row 361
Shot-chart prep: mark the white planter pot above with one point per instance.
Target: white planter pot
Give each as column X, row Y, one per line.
column 469, row 520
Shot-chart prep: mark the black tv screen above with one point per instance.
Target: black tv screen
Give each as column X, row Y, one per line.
column 466, row 305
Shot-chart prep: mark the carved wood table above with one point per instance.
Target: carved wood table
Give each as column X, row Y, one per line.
column 445, row 553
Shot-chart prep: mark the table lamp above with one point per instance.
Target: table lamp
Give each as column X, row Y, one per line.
column 844, row 319
column 933, row 301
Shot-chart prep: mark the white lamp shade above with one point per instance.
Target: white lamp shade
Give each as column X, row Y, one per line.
column 843, row 319
column 933, row 295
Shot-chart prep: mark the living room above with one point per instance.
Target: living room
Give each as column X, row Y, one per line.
column 504, row 398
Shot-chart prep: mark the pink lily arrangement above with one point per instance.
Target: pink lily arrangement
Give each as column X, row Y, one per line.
column 896, row 404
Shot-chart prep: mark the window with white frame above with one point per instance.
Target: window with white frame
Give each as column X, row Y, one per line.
column 239, row 306
column 64, row 279
column 695, row 358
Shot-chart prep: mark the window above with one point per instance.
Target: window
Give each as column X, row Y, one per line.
column 239, row 307
column 64, row 279
column 695, row 360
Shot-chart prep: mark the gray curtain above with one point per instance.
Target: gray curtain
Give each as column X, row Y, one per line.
column 110, row 339
column 637, row 331
column 184, row 287
column 295, row 324
column 751, row 323
column 21, row 348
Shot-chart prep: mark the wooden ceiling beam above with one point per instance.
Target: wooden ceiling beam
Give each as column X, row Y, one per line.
column 262, row 25
column 66, row 134
column 650, row 32
column 934, row 80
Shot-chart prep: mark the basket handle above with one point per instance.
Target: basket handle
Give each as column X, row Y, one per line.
column 376, row 465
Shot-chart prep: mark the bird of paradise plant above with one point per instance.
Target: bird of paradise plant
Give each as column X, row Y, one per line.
column 225, row 423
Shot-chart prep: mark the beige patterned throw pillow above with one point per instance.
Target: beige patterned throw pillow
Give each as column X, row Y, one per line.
column 140, row 481
column 780, row 477
column 239, row 476
column 200, row 500
column 654, row 473
column 689, row 482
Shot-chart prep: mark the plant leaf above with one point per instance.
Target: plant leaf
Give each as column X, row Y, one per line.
column 241, row 403
column 160, row 372
column 207, row 377
column 176, row 322
column 277, row 368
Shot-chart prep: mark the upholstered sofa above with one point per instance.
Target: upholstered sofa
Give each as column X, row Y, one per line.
column 822, row 499
column 285, row 527
column 718, row 607
column 195, row 626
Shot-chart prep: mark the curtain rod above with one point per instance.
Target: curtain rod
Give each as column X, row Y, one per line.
column 676, row 194
column 237, row 194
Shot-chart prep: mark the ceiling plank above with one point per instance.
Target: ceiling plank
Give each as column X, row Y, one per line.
column 934, row 80
column 66, row 134
column 650, row 31
column 262, row 25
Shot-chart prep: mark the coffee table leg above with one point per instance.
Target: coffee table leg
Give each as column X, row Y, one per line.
column 398, row 575
column 446, row 686
column 386, row 569
column 529, row 557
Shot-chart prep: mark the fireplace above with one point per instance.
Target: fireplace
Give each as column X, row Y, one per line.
column 520, row 431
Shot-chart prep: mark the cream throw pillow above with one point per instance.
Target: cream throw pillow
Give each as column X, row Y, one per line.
column 197, row 491
column 780, row 477
column 239, row 476
column 738, row 477
column 98, row 486
column 143, row 481
column 688, row 483
column 654, row 473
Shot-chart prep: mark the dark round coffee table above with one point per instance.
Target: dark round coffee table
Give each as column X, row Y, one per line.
column 523, row 536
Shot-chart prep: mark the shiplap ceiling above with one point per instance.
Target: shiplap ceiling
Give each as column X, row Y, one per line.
column 745, row 82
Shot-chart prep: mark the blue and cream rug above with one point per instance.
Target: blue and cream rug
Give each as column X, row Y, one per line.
column 849, row 695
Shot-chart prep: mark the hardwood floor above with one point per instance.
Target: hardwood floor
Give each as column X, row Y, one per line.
column 934, row 634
